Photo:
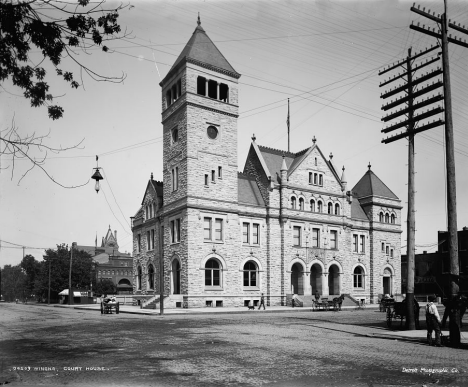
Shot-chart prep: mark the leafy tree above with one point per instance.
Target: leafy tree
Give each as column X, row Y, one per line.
column 13, row 280
column 105, row 286
column 58, row 261
column 56, row 29
column 31, row 269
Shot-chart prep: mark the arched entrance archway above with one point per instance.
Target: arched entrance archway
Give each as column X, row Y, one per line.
column 175, row 276
column 334, row 280
column 316, row 278
column 297, row 280
column 387, row 281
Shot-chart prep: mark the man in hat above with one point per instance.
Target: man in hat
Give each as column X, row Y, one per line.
column 262, row 302
column 433, row 322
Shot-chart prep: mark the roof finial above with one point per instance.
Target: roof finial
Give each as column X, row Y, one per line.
column 253, row 137
column 369, row 166
column 198, row 21
column 151, row 175
column 314, row 139
column 331, row 155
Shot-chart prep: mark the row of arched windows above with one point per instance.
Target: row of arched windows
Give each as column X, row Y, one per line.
column 387, row 218
column 332, row 209
column 150, row 277
column 114, row 272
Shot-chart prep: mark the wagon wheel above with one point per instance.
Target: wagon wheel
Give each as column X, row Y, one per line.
column 389, row 317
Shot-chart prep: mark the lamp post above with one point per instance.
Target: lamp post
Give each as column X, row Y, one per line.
column 97, row 176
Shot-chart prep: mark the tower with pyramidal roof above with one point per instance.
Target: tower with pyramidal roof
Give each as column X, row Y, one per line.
column 288, row 224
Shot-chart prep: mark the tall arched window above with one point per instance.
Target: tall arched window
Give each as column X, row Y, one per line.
column 150, row 277
column 250, row 274
column 319, row 206
column 386, row 218
column 293, row 203
column 212, row 273
column 139, row 275
column 358, row 277
column 312, row 205
column 381, row 217
column 301, row 204
column 330, row 208
column 392, row 219
column 337, row 209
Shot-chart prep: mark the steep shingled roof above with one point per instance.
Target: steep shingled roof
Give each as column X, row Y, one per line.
column 357, row 212
column 371, row 185
column 274, row 159
column 201, row 49
column 248, row 192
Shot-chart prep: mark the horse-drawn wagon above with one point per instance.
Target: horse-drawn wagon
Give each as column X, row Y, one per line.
column 398, row 310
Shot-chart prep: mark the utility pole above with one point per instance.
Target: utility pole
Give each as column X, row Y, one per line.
column 409, row 97
column 444, row 38
column 70, row 292
column 288, row 122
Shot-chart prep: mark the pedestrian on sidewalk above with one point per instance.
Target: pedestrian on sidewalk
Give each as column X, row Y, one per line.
column 293, row 300
column 262, row 302
column 433, row 322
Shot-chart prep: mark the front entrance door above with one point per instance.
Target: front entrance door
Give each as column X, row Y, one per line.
column 386, row 285
column 175, row 277
column 297, row 282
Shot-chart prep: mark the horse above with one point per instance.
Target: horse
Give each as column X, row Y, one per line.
column 337, row 301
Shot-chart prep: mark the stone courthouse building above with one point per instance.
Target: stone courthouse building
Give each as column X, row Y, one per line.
column 288, row 224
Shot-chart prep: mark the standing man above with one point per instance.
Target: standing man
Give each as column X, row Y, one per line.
column 433, row 322
column 262, row 302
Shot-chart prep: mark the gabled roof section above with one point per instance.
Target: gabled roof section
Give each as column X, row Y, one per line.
column 155, row 187
column 248, row 192
column 371, row 185
column 201, row 50
column 273, row 159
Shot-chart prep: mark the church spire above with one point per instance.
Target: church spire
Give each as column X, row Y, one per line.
column 198, row 21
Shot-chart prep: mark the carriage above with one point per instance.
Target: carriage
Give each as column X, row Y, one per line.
column 398, row 310
column 106, row 307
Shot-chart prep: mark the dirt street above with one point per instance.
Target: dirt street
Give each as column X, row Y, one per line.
column 42, row 345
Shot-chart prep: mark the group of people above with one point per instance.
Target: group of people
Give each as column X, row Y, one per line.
column 108, row 299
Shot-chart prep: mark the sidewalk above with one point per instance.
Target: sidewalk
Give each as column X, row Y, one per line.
column 203, row 311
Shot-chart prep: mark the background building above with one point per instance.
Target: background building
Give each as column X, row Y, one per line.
column 286, row 225
column 432, row 269
column 112, row 264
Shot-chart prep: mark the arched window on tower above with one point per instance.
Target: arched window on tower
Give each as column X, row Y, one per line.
column 224, row 92
column 201, row 86
column 330, row 208
column 392, row 219
column 319, row 206
column 212, row 273
column 387, row 218
column 381, row 217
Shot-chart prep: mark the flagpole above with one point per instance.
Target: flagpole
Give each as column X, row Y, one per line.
column 288, row 124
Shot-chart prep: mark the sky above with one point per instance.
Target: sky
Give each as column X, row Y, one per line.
column 324, row 56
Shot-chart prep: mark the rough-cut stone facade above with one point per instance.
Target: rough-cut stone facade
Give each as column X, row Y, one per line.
column 331, row 240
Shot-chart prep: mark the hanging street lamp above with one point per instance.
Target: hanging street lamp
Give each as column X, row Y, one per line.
column 97, row 176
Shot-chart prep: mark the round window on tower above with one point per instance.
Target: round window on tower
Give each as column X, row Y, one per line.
column 212, row 132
